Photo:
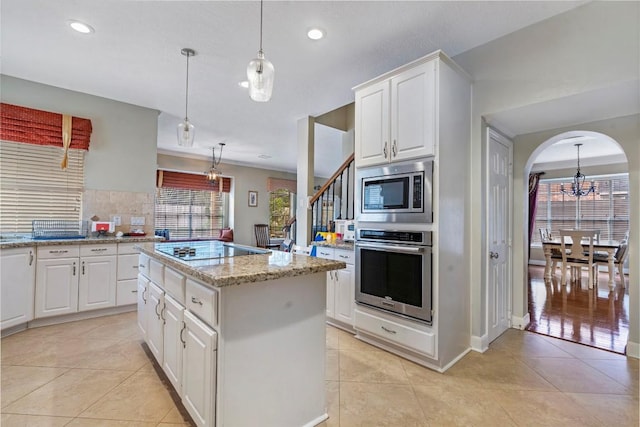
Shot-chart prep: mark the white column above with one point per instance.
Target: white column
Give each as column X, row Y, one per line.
column 305, row 175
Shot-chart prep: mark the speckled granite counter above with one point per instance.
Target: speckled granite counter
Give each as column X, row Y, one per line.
column 336, row 245
column 220, row 272
column 25, row 242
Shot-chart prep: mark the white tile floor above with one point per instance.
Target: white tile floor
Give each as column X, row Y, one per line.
column 95, row 373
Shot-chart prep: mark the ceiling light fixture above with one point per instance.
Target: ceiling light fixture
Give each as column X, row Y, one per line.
column 81, row 27
column 260, row 73
column 213, row 173
column 315, row 34
column 186, row 130
column 578, row 182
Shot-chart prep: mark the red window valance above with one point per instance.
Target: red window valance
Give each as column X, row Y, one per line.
column 22, row 124
column 191, row 181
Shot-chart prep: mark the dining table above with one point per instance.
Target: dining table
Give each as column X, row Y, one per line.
column 603, row 246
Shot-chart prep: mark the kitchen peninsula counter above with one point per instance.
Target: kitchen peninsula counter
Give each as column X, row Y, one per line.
column 22, row 242
column 240, row 335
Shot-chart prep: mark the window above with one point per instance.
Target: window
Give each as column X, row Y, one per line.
column 33, row 186
column 189, row 207
column 606, row 210
column 279, row 211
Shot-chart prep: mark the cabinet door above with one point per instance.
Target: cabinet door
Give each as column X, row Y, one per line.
column 331, row 286
column 413, row 113
column 173, row 342
column 345, row 294
column 199, row 371
column 17, row 282
column 56, row 287
column 143, row 305
column 372, row 133
column 127, row 266
column 155, row 322
column 97, row 282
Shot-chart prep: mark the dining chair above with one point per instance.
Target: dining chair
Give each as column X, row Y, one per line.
column 618, row 258
column 556, row 256
column 263, row 237
column 576, row 255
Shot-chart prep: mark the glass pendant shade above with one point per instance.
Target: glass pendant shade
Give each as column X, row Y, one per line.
column 186, row 133
column 260, row 73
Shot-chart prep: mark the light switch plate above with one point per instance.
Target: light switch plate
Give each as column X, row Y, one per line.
column 137, row 220
column 117, row 220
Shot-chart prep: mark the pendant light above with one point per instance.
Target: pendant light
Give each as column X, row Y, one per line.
column 213, row 173
column 260, row 73
column 577, row 189
column 186, row 130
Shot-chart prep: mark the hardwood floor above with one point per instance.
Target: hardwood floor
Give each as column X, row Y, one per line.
column 573, row 312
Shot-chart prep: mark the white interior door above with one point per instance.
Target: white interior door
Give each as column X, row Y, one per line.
column 499, row 168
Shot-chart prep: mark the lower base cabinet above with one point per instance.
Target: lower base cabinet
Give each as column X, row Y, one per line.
column 173, row 315
column 155, row 322
column 143, row 304
column 199, row 370
column 17, row 275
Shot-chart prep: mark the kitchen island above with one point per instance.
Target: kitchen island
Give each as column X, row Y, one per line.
column 240, row 338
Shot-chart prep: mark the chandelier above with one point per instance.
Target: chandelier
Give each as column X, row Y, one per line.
column 186, row 130
column 577, row 186
column 213, row 173
column 260, row 73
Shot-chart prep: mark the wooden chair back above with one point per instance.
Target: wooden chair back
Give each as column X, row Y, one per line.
column 576, row 251
column 262, row 235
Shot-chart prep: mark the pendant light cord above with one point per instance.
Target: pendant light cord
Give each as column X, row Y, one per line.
column 186, row 98
column 260, row 26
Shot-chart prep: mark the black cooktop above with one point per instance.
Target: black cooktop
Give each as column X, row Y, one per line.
column 197, row 250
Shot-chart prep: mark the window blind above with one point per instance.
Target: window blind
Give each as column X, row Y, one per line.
column 191, row 181
column 606, row 210
column 32, row 185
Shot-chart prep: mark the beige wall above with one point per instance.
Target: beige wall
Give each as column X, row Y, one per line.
column 242, row 217
column 121, row 160
column 593, row 46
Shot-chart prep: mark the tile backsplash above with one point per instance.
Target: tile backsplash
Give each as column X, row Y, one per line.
column 126, row 204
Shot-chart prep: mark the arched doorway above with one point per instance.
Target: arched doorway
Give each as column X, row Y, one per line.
column 597, row 317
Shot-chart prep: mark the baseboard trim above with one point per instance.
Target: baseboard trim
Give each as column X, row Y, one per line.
column 317, row 421
column 633, row 349
column 480, row 344
column 82, row 315
column 520, row 322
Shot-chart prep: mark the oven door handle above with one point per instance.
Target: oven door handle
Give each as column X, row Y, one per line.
column 391, row 248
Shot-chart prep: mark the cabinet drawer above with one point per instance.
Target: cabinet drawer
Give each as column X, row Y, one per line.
column 402, row 335
column 91, row 250
column 127, row 266
column 143, row 265
column 327, row 253
column 127, row 248
column 127, row 292
column 174, row 284
column 345, row 256
column 61, row 251
column 156, row 272
column 203, row 302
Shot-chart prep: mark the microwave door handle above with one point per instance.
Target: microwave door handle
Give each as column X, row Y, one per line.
column 406, row 249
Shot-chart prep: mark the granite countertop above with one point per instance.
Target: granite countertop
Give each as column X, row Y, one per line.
column 339, row 244
column 20, row 242
column 220, row 272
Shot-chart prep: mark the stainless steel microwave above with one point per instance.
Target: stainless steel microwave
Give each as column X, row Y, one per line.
column 398, row 192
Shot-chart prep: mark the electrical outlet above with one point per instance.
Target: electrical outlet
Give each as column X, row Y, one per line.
column 137, row 220
column 117, row 220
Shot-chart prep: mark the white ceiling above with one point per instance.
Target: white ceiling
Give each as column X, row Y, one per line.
column 134, row 57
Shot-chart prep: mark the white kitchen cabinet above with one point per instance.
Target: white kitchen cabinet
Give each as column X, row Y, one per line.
column 199, row 370
column 127, row 276
column 143, row 304
column 17, row 280
column 344, row 300
column 173, row 315
column 331, row 294
column 396, row 116
column 155, row 322
column 97, row 286
column 56, row 287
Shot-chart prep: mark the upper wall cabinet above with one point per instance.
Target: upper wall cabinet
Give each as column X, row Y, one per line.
column 396, row 115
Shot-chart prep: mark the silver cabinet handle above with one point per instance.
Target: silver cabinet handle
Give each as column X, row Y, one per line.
column 156, row 309
column 391, row 248
column 344, row 256
column 141, row 265
column 98, row 249
column 83, row 268
column 184, row 343
column 59, row 251
column 30, row 257
column 391, row 331
column 144, row 291
column 384, row 150
column 135, row 291
column 74, row 268
column 196, row 300
column 135, row 266
column 394, row 148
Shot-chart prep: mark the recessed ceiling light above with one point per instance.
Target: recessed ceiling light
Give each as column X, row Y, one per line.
column 81, row 27
column 244, row 84
column 315, row 34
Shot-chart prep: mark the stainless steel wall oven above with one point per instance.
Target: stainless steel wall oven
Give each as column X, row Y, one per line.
column 393, row 271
